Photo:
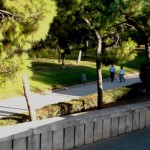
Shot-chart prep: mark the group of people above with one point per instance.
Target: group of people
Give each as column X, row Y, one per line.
column 112, row 71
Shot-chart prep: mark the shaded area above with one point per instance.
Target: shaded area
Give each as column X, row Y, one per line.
column 137, row 140
column 137, row 62
column 14, row 119
column 55, row 77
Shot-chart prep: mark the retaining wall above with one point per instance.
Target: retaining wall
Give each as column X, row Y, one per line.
column 75, row 130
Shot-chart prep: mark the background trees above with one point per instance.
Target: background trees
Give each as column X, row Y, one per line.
column 108, row 24
column 105, row 22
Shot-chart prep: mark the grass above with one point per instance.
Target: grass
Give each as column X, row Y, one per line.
column 48, row 75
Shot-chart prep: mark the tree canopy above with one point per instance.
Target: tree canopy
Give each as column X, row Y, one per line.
column 104, row 19
column 22, row 24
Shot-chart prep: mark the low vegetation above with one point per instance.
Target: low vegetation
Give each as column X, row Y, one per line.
column 113, row 97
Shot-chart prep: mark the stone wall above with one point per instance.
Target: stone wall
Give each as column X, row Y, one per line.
column 75, row 130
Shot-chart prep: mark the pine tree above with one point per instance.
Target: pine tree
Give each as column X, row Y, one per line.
column 22, row 24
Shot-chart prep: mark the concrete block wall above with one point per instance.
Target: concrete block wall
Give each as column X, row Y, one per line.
column 67, row 132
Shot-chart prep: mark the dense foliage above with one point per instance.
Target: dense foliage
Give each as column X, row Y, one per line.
column 86, row 103
column 22, row 24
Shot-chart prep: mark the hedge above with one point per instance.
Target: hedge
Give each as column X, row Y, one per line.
column 85, row 103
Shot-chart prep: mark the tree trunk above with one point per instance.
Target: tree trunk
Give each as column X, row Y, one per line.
column 87, row 45
column 59, row 57
column 98, row 66
column 27, row 95
column 79, row 56
column 147, row 48
column 63, row 55
column 99, row 71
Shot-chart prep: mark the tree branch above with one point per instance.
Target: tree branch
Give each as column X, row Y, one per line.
column 118, row 24
column 5, row 14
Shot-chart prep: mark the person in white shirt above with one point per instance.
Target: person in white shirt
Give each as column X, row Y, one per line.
column 112, row 71
column 121, row 74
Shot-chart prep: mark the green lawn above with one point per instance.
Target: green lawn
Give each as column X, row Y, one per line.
column 47, row 73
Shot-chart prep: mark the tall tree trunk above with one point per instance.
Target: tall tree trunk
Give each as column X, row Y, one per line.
column 98, row 66
column 63, row 55
column 99, row 71
column 27, row 95
column 147, row 48
column 87, row 45
column 59, row 57
column 79, row 56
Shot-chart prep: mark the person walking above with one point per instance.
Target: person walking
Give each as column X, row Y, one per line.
column 121, row 74
column 112, row 71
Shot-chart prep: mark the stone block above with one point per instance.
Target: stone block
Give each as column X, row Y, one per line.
column 36, row 142
column 122, row 124
column 19, row 144
column 136, row 121
column 41, row 129
column 58, row 139
column 147, row 117
column 142, row 119
column 129, row 123
column 89, row 133
column 69, row 138
column 114, row 126
column 79, row 135
column 29, row 143
column 7, row 145
column 106, row 128
column 46, row 141
column 98, row 130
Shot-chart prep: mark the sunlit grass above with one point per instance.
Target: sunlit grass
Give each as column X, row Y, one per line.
column 48, row 75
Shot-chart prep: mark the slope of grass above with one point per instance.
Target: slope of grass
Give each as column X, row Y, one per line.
column 48, row 75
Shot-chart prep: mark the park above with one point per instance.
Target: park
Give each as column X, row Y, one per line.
column 55, row 46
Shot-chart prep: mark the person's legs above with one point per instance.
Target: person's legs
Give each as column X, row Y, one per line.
column 112, row 76
column 123, row 78
column 120, row 77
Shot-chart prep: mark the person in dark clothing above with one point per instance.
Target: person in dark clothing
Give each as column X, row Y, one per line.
column 112, row 71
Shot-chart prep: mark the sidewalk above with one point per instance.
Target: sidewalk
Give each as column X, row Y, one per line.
column 137, row 140
column 18, row 104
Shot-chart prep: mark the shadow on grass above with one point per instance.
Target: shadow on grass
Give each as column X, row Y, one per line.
column 54, row 77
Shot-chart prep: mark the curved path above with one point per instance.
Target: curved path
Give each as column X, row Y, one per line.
column 18, row 104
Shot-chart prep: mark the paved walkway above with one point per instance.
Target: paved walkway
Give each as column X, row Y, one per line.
column 18, row 104
column 138, row 140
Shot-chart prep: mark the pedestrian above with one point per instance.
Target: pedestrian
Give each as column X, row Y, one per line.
column 112, row 71
column 121, row 74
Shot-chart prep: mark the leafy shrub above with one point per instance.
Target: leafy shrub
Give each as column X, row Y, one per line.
column 12, row 70
column 76, row 105
column 43, row 53
column 111, row 96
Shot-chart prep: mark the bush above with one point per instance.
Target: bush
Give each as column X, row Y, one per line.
column 76, row 105
column 12, row 70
